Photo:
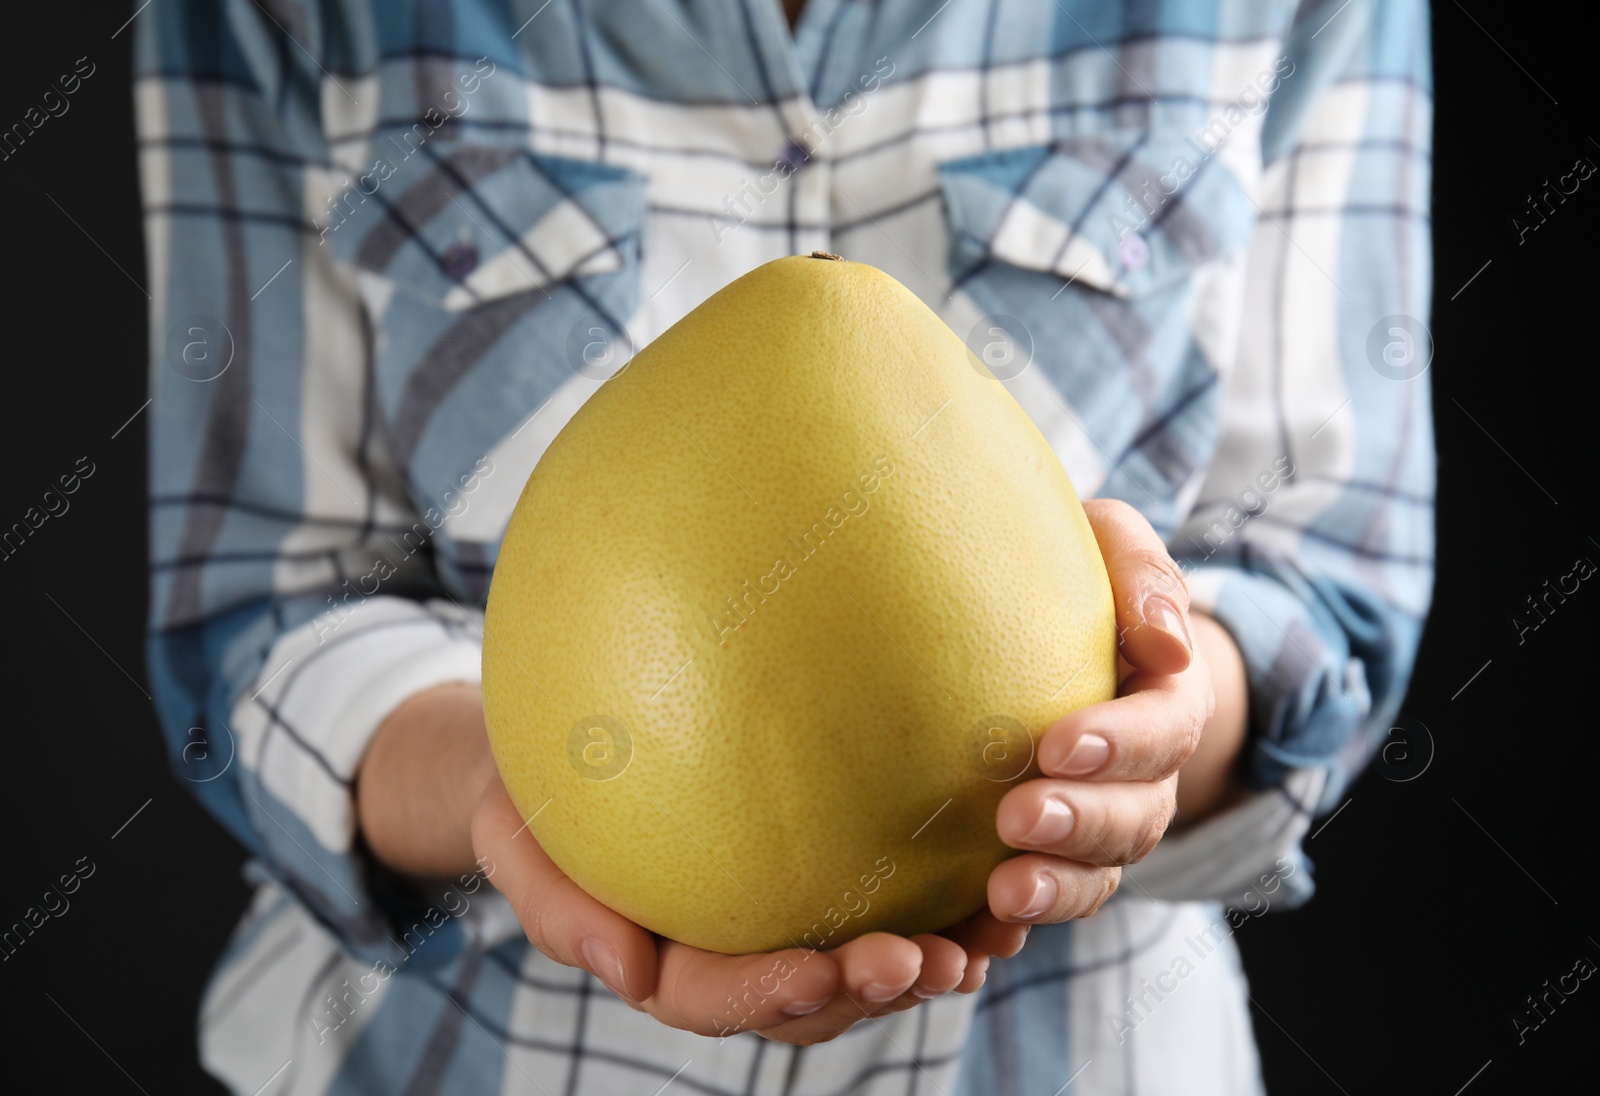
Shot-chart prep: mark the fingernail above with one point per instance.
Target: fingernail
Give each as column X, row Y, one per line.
column 1161, row 613
column 1044, row 896
column 926, row 995
column 803, row 1008
column 605, row 964
column 1088, row 754
column 879, row 992
column 1055, row 823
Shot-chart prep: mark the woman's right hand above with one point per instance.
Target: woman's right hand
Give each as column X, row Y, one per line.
column 815, row 995
column 430, row 803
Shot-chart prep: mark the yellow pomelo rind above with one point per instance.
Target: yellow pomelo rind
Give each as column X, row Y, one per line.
column 792, row 572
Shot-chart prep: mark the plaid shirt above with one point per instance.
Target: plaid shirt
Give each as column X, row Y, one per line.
column 393, row 247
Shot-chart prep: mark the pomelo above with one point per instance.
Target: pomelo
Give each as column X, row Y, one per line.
column 780, row 614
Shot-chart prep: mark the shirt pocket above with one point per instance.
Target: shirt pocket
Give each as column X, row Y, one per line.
column 462, row 226
column 1102, row 266
column 487, row 273
column 1125, row 212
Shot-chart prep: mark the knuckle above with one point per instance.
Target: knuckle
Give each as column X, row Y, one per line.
column 1172, row 750
column 1142, row 546
column 672, row 998
column 1143, row 847
column 1163, row 575
column 1153, row 559
column 1154, row 826
column 1105, row 884
column 1191, row 727
column 536, row 924
column 1099, row 828
column 1115, row 510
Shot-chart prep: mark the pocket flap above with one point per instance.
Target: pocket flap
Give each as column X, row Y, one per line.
column 1126, row 212
column 473, row 223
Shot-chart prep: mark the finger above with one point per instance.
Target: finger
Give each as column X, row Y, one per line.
column 1145, row 734
column 1105, row 824
column 877, row 968
column 1042, row 889
column 982, row 935
column 977, row 973
column 1152, row 597
column 560, row 919
column 877, row 973
column 944, row 965
column 712, row 994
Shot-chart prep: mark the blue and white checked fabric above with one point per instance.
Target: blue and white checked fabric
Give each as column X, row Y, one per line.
column 394, row 246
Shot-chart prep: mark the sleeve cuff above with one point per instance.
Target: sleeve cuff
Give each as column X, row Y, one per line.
column 301, row 728
column 1309, row 697
column 1252, row 848
column 1309, row 702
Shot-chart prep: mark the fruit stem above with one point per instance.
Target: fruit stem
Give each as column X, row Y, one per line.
column 827, row 255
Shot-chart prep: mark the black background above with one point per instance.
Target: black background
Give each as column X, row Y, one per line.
column 1443, row 900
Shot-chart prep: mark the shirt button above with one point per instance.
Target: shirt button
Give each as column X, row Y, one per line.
column 1134, row 252
column 794, row 155
column 459, row 260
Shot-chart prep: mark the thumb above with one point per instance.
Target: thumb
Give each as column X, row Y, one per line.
column 1151, row 595
column 560, row 919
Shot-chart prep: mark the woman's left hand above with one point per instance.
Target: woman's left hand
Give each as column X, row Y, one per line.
column 1109, row 788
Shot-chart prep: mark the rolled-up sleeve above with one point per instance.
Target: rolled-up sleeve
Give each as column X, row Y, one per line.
column 277, row 646
column 1312, row 537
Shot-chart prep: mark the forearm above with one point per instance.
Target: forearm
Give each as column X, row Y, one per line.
column 422, row 775
column 1209, row 780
